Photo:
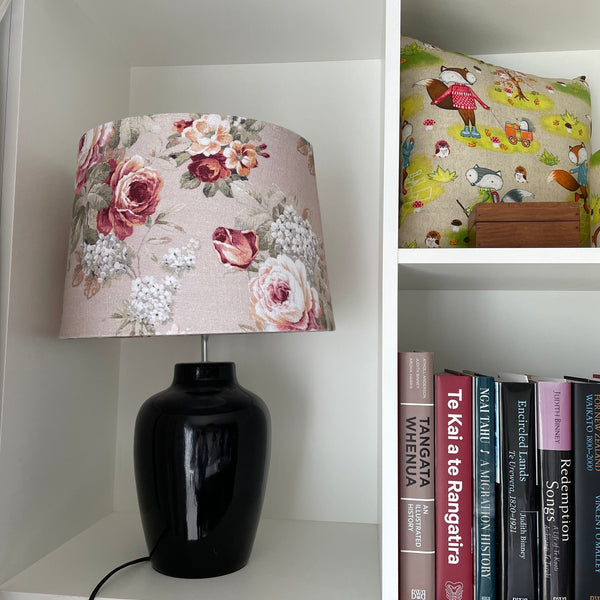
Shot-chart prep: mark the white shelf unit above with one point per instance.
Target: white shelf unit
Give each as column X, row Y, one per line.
column 331, row 72
column 68, row 509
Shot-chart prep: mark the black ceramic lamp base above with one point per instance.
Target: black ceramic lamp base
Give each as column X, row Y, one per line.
column 201, row 454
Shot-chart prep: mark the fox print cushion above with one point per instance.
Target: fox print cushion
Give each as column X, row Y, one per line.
column 594, row 199
column 473, row 132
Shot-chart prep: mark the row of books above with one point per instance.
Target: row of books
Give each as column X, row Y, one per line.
column 499, row 485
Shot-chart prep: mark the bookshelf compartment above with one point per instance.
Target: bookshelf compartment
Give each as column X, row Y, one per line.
column 70, row 69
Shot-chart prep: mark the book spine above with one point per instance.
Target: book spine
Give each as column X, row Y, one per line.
column 453, row 488
column 416, row 474
column 555, row 458
column 518, row 472
column 586, row 456
column 484, row 487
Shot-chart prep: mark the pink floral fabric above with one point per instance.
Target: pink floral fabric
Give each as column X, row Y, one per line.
column 194, row 223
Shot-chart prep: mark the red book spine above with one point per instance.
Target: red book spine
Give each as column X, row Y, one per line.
column 453, row 488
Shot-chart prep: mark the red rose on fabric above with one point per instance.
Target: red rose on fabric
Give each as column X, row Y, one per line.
column 208, row 169
column 181, row 125
column 136, row 194
column 112, row 163
column 235, row 248
column 89, row 151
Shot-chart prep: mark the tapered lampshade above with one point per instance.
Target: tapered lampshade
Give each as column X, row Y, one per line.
column 194, row 223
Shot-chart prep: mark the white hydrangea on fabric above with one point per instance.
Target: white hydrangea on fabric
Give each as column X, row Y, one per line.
column 181, row 259
column 151, row 302
column 107, row 258
column 295, row 238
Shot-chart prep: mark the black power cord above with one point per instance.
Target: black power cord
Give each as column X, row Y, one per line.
column 115, row 570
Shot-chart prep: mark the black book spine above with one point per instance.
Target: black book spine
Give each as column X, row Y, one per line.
column 556, row 489
column 519, row 506
column 586, row 455
column 484, row 492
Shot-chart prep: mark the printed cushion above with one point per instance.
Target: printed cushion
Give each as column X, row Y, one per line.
column 594, row 200
column 474, row 132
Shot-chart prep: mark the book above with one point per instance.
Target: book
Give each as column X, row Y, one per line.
column 453, row 487
column 484, row 487
column 555, row 468
column 416, row 476
column 585, row 397
column 518, row 496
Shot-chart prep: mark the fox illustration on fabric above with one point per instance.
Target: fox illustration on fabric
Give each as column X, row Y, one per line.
column 576, row 179
column 452, row 91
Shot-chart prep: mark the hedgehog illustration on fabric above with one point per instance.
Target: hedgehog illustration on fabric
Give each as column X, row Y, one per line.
column 521, row 174
column 442, row 149
column 452, row 91
column 490, row 183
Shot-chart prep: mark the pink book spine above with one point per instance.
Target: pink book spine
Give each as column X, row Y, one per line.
column 416, row 476
column 453, row 488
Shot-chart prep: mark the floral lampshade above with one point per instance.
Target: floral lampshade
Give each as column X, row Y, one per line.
column 194, row 223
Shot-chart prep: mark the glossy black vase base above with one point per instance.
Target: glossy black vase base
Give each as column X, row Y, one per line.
column 201, row 453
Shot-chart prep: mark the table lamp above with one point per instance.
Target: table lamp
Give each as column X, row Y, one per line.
column 189, row 224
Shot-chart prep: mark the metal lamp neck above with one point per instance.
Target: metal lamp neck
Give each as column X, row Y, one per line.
column 204, row 348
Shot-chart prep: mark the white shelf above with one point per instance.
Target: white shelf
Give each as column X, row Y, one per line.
column 294, row 560
column 499, row 269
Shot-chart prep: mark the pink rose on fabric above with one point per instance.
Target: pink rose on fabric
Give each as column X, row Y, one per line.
column 235, row 248
column 136, row 194
column 89, row 151
column 208, row 169
column 282, row 298
column 208, row 134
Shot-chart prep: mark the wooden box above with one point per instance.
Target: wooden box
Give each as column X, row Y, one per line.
column 527, row 225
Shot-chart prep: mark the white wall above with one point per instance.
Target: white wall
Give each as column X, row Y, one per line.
column 59, row 398
column 547, row 333
column 321, row 388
